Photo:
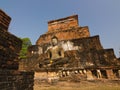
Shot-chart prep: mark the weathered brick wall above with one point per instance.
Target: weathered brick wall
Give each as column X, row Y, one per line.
column 88, row 51
column 92, row 58
column 73, row 33
column 10, row 47
column 65, row 29
column 10, row 77
column 63, row 23
column 4, row 20
column 16, row 80
column 81, row 44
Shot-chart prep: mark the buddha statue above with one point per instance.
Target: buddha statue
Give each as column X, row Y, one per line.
column 55, row 55
column 56, row 51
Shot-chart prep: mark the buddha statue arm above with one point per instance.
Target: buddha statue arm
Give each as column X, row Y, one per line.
column 61, row 52
column 49, row 55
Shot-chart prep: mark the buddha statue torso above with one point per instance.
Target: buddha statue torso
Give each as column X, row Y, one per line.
column 55, row 52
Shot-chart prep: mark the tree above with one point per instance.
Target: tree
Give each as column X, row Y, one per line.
column 25, row 44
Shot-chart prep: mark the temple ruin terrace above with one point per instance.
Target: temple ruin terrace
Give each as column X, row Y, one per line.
column 83, row 53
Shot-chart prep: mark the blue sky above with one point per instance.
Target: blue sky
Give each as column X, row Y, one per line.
column 30, row 17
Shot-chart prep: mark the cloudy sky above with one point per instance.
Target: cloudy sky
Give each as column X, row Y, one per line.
column 30, row 17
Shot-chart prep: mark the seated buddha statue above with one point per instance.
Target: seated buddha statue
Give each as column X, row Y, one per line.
column 56, row 51
column 55, row 54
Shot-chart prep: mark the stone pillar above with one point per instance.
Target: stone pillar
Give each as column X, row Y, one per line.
column 84, row 71
column 64, row 74
column 119, row 73
column 81, row 72
column 89, row 75
column 99, row 75
column 60, row 73
column 110, row 74
column 76, row 72
column 68, row 73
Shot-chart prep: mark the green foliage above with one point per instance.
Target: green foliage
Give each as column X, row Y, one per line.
column 25, row 44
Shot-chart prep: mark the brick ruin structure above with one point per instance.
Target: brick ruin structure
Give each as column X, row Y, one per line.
column 86, row 56
column 10, row 77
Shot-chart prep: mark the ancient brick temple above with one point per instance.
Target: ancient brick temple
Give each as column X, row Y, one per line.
column 10, row 45
column 84, row 52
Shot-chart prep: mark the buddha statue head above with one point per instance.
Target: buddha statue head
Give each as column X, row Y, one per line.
column 54, row 40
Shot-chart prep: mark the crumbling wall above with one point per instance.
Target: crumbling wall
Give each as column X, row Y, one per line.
column 73, row 33
column 63, row 24
column 16, row 80
column 10, row 46
column 81, row 44
column 88, row 51
column 10, row 77
column 92, row 58
column 77, row 58
column 65, row 29
column 4, row 20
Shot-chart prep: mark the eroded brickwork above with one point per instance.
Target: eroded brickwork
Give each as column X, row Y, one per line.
column 69, row 29
column 16, row 80
column 63, row 24
column 4, row 20
column 10, row 45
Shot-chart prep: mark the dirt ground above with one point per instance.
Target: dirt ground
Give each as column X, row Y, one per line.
column 82, row 85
